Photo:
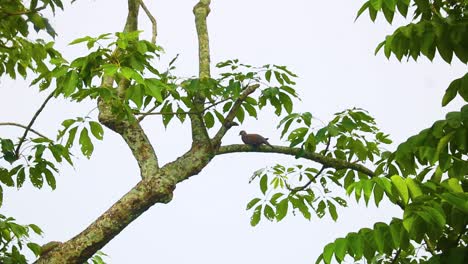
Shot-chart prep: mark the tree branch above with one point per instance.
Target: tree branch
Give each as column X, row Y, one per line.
column 199, row 131
column 158, row 188
column 153, row 22
column 228, row 121
column 28, row 127
column 25, row 127
column 324, row 160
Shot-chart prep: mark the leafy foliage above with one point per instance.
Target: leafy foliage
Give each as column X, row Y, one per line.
column 17, row 52
column 352, row 136
column 438, row 25
column 13, row 238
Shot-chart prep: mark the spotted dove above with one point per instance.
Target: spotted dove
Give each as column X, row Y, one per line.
column 254, row 140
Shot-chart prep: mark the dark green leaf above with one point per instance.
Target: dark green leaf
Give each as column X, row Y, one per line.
column 332, row 210
column 264, row 183
column 255, row 219
column 96, row 130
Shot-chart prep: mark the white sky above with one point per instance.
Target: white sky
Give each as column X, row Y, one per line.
column 206, row 222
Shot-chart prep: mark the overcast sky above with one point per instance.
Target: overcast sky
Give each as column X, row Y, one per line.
column 206, row 222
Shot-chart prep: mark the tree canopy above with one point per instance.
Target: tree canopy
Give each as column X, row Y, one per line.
column 425, row 175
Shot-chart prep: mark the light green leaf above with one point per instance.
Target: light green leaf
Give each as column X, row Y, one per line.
column 376, row 4
column 154, row 88
column 401, row 187
column 413, row 187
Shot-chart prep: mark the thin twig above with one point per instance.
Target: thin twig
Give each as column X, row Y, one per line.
column 164, row 113
column 153, row 21
column 25, row 127
column 228, row 121
column 301, row 188
column 32, row 122
column 25, row 12
column 145, row 115
column 217, row 103
column 150, row 112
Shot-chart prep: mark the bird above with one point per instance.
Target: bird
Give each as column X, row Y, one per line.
column 254, row 140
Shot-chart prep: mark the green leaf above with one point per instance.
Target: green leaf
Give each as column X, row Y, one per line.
column 378, row 194
column 35, row 248
column 269, row 213
column 367, row 186
column 281, row 209
column 379, row 236
column 376, row 4
column 252, row 203
column 20, row 178
column 209, row 120
column 110, row 69
column 413, row 187
column 401, row 187
column 328, row 252
column 362, row 9
column 403, row 7
column 454, row 185
column 459, row 200
column 96, row 130
column 35, row 175
column 36, row 229
column 268, row 75
column 154, row 88
column 85, row 143
column 286, row 101
column 451, row 92
column 240, row 115
column 70, row 83
column 356, row 244
column 80, row 40
column 340, row 248
column 395, row 232
column 264, row 183
column 50, row 179
column 332, row 210
column 71, row 137
column 250, row 109
column 255, row 219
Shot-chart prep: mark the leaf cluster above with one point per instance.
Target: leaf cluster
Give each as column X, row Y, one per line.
column 17, row 52
column 13, row 238
column 437, row 25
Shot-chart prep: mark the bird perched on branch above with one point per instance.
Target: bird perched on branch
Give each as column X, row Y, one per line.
column 253, row 140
